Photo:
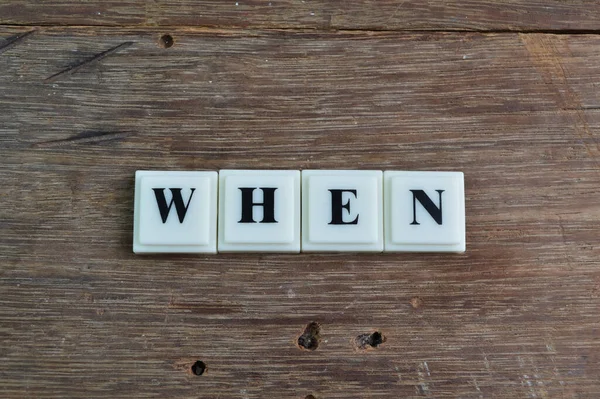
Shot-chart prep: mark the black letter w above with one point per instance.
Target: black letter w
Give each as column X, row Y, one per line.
column 179, row 206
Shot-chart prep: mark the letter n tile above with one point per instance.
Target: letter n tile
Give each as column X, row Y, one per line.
column 424, row 211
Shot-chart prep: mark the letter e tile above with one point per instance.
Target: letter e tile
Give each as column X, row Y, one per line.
column 342, row 210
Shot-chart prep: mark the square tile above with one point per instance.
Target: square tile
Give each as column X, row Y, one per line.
column 342, row 210
column 424, row 211
column 259, row 211
column 175, row 212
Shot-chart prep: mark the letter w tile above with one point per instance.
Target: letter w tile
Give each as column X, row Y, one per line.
column 165, row 209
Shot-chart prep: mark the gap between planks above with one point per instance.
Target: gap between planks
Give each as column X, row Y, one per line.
column 234, row 28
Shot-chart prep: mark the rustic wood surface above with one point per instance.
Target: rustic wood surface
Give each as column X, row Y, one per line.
column 82, row 108
column 316, row 14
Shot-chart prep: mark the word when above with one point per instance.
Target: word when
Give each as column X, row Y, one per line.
column 293, row 211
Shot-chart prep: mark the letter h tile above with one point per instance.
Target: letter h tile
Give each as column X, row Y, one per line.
column 259, row 211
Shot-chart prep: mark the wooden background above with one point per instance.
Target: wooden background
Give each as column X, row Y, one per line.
column 505, row 91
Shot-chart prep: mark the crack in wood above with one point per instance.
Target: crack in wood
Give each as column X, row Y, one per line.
column 14, row 41
column 92, row 137
column 293, row 29
column 74, row 68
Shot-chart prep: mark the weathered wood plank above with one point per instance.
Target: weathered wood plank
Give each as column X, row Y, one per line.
column 319, row 14
column 515, row 316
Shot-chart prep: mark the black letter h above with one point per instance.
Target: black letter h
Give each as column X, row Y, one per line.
column 248, row 205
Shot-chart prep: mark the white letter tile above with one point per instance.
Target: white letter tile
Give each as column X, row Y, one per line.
column 342, row 210
column 175, row 212
column 259, row 211
column 424, row 211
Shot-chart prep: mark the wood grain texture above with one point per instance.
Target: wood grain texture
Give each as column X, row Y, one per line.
column 515, row 316
column 477, row 15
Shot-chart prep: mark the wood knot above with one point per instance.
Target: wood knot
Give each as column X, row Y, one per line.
column 369, row 340
column 198, row 368
column 310, row 338
column 166, row 41
column 416, row 302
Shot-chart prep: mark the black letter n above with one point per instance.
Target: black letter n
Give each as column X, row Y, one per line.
column 165, row 209
column 434, row 211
